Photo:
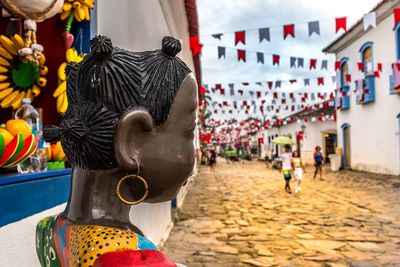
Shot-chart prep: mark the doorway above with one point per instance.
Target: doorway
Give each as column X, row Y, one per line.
column 330, row 142
column 346, row 146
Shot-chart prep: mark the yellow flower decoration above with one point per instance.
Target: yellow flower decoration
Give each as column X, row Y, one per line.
column 21, row 71
column 80, row 9
column 61, row 92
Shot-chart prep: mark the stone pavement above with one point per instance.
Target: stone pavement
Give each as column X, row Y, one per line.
column 241, row 216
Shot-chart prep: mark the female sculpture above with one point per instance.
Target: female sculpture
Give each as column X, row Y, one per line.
column 128, row 133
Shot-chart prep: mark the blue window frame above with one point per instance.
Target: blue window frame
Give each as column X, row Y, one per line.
column 368, row 63
column 391, row 78
column 344, row 85
column 397, row 32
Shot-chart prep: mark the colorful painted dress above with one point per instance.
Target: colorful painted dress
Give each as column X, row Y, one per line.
column 60, row 243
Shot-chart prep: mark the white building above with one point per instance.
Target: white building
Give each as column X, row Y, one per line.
column 368, row 120
column 308, row 130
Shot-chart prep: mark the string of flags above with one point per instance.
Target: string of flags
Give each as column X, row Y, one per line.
column 288, row 30
column 319, row 81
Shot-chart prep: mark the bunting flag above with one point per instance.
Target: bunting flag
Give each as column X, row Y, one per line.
column 313, row 64
column 337, row 65
column 369, row 20
column 306, row 82
column 313, row 27
column 264, row 34
column 217, row 36
column 275, row 60
column 320, row 80
column 221, row 52
column 341, row 23
column 292, row 62
column 300, row 62
column 240, row 37
column 231, row 89
column 195, row 45
column 241, row 55
column 270, row 84
column 396, row 15
column 260, row 57
column 360, row 66
column 324, row 64
column 288, row 30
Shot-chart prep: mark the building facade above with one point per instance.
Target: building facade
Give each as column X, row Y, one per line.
column 368, row 115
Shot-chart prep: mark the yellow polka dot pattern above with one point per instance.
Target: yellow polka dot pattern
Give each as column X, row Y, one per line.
column 91, row 241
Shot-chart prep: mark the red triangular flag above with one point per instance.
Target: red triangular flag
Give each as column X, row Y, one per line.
column 337, row 65
column 275, row 60
column 360, row 66
column 270, row 84
column 288, row 30
column 240, row 92
column 275, row 94
column 218, row 86
column 313, row 63
column 396, row 15
column 320, row 80
column 293, row 81
column 202, row 90
column 241, row 55
column 348, row 78
column 240, row 37
column 380, row 67
column 258, row 94
column 283, row 100
column 341, row 23
column 222, row 91
column 195, row 45
column 376, row 74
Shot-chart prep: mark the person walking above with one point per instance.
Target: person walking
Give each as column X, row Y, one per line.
column 213, row 160
column 298, row 171
column 287, row 167
column 318, row 160
column 242, row 156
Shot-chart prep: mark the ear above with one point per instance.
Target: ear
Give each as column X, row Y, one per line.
column 133, row 127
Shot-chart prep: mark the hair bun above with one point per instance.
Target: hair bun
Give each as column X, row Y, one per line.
column 171, row 46
column 101, row 46
column 51, row 133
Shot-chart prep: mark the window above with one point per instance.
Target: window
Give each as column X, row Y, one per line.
column 394, row 78
column 369, row 78
column 344, row 93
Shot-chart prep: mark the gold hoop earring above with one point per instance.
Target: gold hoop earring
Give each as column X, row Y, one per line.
column 131, row 176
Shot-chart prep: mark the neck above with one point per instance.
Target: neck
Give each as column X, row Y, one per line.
column 93, row 200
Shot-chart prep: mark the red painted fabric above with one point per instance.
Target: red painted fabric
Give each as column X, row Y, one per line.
column 337, row 65
column 288, row 30
column 241, row 55
column 195, row 45
column 341, row 23
column 313, row 63
column 275, row 60
column 240, row 37
column 360, row 66
column 396, row 15
column 129, row 258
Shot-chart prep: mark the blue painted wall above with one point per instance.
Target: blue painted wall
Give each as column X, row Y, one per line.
column 24, row 195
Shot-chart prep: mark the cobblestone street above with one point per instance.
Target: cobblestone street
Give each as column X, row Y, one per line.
column 241, row 216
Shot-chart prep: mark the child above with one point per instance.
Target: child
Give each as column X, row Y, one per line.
column 319, row 160
column 298, row 171
column 287, row 168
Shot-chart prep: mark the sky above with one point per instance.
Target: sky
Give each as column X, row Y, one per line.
column 228, row 16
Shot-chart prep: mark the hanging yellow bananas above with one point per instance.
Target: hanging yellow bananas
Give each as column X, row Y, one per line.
column 60, row 93
column 19, row 78
column 80, row 9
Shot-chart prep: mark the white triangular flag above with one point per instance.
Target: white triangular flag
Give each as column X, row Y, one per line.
column 369, row 20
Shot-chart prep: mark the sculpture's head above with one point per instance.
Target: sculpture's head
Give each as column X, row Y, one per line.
column 129, row 109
